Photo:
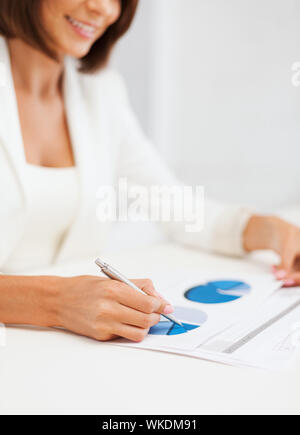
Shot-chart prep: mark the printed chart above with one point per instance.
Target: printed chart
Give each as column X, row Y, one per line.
column 218, row 292
column 189, row 317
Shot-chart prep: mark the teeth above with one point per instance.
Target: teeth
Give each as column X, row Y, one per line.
column 80, row 25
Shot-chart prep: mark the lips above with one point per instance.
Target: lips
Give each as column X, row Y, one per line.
column 84, row 28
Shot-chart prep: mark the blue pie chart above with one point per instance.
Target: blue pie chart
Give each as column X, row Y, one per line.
column 189, row 317
column 218, row 292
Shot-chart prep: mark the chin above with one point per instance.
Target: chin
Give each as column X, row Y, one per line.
column 78, row 52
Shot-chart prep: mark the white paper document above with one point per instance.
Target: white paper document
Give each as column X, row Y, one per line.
column 233, row 318
column 267, row 338
column 222, row 312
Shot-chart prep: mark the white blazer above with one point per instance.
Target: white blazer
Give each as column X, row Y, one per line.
column 108, row 143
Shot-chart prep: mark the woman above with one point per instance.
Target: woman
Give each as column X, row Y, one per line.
column 64, row 133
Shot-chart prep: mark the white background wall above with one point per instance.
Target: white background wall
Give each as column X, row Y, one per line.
column 211, row 83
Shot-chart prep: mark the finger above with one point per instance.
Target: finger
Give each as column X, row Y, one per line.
column 293, row 280
column 286, row 266
column 279, row 273
column 148, row 287
column 287, row 260
column 130, row 332
column 131, row 298
column 132, row 317
column 296, row 265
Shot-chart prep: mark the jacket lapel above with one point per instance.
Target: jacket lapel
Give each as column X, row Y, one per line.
column 12, row 172
column 86, row 235
column 10, row 129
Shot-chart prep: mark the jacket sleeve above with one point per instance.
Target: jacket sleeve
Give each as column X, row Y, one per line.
column 140, row 163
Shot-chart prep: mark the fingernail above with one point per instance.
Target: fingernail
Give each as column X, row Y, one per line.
column 274, row 269
column 168, row 309
column 289, row 283
column 281, row 274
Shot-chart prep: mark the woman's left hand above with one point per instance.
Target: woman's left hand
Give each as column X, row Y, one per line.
column 267, row 232
column 289, row 269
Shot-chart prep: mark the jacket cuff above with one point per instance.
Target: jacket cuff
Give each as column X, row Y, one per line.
column 228, row 232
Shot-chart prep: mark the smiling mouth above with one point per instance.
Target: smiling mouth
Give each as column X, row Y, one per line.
column 83, row 29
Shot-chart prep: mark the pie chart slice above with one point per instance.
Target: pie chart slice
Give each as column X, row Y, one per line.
column 218, row 292
column 169, row 328
column 189, row 317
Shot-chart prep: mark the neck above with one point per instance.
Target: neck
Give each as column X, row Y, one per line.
column 33, row 71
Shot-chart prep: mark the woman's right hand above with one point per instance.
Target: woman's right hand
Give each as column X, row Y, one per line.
column 104, row 309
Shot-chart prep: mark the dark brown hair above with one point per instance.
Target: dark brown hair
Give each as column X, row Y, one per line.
column 21, row 19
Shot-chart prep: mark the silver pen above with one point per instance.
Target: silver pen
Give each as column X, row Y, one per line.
column 112, row 273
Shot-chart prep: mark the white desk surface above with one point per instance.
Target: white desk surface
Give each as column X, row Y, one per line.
column 46, row 370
